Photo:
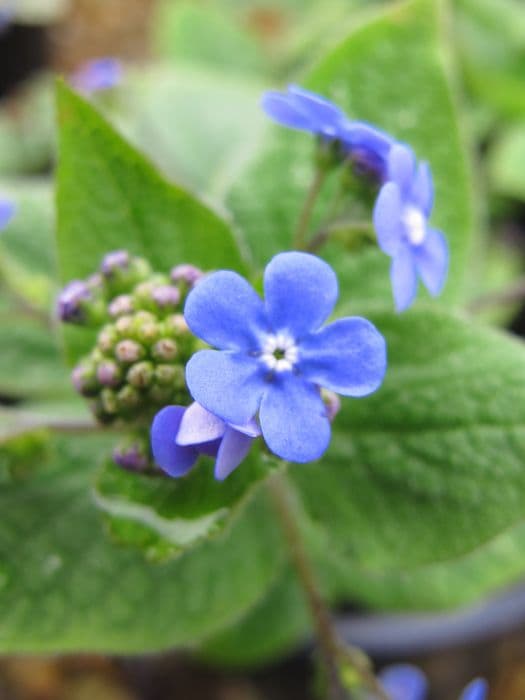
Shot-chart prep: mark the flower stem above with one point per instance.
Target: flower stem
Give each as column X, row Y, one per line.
column 363, row 228
column 301, row 230
column 334, row 652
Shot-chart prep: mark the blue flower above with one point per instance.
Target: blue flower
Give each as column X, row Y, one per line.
column 7, row 211
column 401, row 217
column 366, row 146
column 98, row 74
column 406, row 682
column 179, row 435
column 275, row 357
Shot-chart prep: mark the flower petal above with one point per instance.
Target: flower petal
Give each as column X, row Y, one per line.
column 230, row 385
column 173, row 459
column 401, row 167
column 300, row 291
column 225, row 311
column 475, row 690
column 293, row 419
column 404, row 278
column 423, row 189
column 387, row 218
column 7, row 210
column 348, row 357
column 432, row 261
column 325, row 114
column 199, row 426
column 250, row 428
column 285, row 111
column 234, row 448
column 404, row 682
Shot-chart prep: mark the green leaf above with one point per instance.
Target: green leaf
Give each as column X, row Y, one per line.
column 441, row 444
column 506, row 159
column 64, row 586
column 31, row 364
column 27, row 252
column 109, row 196
column 200, row 127
column 390, row 72
column 166, row 517
column 205, row 36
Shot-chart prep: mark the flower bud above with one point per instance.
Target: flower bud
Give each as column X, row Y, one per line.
column 332, row 403
column 140, row 375
column 132, row 456
column 107, row 339
column 160, row 395
column 72, row 301
column 165, row 350
column 108, row 401
column 109, row 374
column 121, row 305
column 188, row 274
column 166, row 296
column 122, row 272
column 176, row 325
column 128, row 351
column 84, row 378
column 128, row 399
column 124, row 325
column 147, row 332
column 170, row 375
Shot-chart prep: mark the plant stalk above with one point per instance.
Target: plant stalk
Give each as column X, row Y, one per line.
column 301, row 229
column 333, row 651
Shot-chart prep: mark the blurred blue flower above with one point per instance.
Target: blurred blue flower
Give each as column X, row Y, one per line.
column 7, row 211
column 98, row 74
column 406, row 682
column 179, row 435
column 72, row 301
column 275, row 357
column 401, row 215
column 301, row 109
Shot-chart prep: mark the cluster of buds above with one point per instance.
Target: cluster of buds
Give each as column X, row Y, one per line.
column 143, row 344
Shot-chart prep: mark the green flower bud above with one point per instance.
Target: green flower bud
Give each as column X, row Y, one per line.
column 165, row 350
column 108, row 401
column 175, row 326
column 160, row 395
column 124, row 326
column 140, row 375
column 109, row 373
column 128, row 351
column 120, row 306
column 122, row 272
column 107, row 339
column 84, row 378
column 128, row 400
column 171, row 376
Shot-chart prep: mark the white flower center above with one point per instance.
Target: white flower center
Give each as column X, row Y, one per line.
column 279, row 352
column 415, row 225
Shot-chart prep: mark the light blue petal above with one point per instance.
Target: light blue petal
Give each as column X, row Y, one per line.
column 404, row 682
column 7, row 211
column 284, row 110
column 173, row 459
column 300, row 292
column 387, row 218
column 293, row 419
column 404, row 278
column 432, row 261
column 234, row 448
column 423, row 189
column 225, row 311
column 250, row 428
column 348, row 357
column 198, row 426
column 476, row 690
column 401, row 167
column 230, row 385
column 325, row 114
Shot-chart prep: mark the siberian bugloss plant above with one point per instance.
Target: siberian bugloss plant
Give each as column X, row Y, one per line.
column 285, row 404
